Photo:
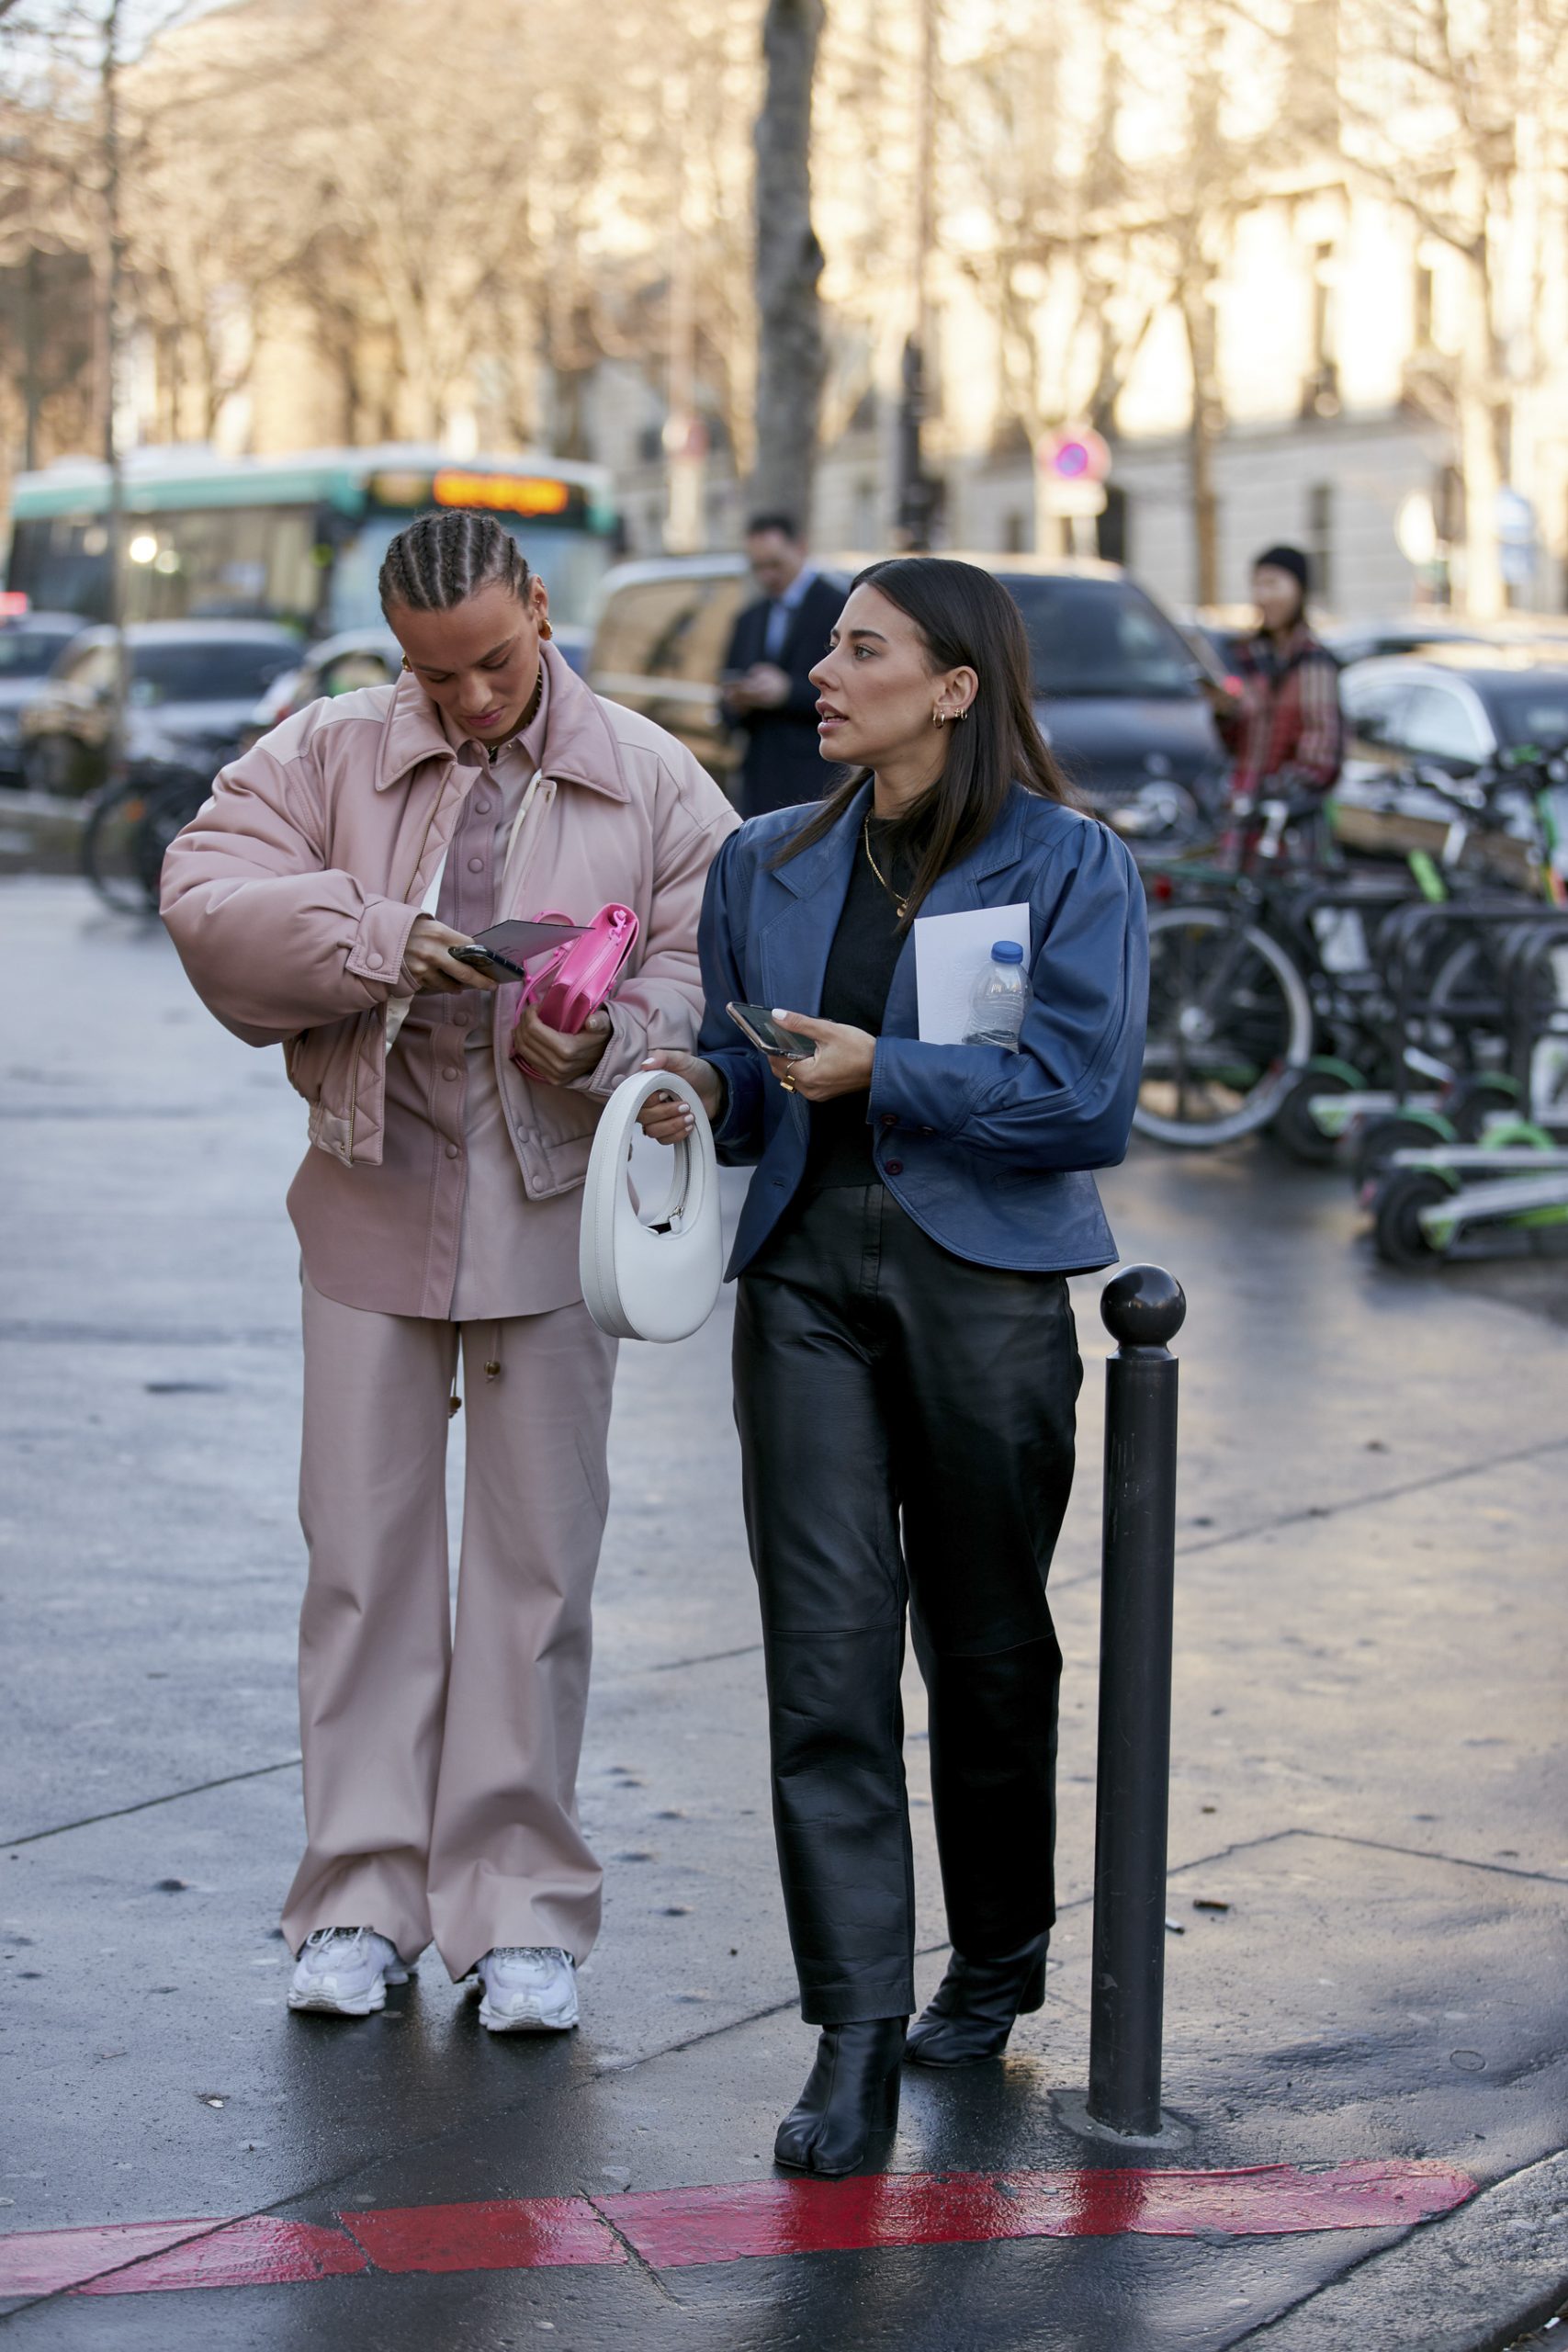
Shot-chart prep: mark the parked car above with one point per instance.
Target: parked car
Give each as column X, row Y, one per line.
column 193, row 687
column 30, row 644
column 1366, row 641
column 1117, row 686
column 1450, row 707
column 335, row 665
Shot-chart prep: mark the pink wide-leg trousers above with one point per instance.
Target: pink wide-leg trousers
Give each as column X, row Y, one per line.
column 441, row 1762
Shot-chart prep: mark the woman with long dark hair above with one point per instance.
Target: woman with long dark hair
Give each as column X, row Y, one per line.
column 906, row 1367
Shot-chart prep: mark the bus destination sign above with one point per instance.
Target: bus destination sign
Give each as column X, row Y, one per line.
column 495, row 493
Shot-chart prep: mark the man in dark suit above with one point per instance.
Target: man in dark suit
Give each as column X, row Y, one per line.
column 775, row 644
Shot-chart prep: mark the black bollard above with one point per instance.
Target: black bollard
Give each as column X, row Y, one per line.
column 1143, row 1307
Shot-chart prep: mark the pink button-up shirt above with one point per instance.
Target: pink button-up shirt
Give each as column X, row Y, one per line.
column 449, row 1180
column 291, row 897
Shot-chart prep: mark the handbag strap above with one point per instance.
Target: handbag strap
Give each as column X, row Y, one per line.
column 502, row 897
column 397, row 1006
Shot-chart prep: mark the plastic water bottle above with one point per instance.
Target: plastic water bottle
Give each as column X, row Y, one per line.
column 1001, row 999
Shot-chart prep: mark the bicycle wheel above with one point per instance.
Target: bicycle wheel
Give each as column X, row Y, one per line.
column 1230, row 1023
column 112, row 859
column 170, row 807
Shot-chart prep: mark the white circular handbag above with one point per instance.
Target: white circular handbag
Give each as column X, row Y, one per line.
column 651, row 1277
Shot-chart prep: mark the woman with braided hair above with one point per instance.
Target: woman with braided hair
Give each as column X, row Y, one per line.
column 316, row 901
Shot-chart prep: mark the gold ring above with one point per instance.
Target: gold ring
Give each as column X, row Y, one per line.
column 787, row 1083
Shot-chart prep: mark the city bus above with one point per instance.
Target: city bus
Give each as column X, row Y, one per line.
column 298, row 539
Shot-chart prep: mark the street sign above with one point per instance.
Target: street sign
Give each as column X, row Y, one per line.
column 1075, row 455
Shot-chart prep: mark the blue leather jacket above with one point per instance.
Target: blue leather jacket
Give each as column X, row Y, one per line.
column 989, row 1150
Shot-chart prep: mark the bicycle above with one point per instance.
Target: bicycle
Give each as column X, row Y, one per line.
column 1258, row 960
column 1242, row 958
column 129, row 829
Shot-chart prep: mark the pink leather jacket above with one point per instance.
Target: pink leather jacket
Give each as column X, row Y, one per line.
column 291, row 895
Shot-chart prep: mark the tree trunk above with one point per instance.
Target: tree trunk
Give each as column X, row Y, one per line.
column 1482, row 593
column 790, row 361
column 1198, row 315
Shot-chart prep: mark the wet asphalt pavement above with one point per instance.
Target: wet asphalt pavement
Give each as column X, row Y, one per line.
column 1370, row 1774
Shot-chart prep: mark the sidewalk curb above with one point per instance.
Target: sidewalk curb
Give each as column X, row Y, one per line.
column 1469, row 2283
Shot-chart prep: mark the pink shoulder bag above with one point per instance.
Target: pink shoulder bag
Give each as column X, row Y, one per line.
column 573, row 981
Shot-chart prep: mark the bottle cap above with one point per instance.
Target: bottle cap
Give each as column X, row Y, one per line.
column 1007, row 951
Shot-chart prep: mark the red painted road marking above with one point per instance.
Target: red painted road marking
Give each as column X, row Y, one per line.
column 673, row 2227
column 40, row 2262
column 505, row 2233
column 259, row 2252
column 676, row 2227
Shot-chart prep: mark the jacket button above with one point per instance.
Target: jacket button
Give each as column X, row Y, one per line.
column 894, row 1166
column 371, row 957
column 890, row 1118
column 448, row 1071
column 451, row 1151
column 481, row 808
column 476, row 866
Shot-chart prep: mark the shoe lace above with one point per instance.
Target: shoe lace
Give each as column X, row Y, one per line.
column 322, row 1939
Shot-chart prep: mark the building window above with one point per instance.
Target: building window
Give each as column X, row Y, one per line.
column 1113, row 538
column 1320, row 538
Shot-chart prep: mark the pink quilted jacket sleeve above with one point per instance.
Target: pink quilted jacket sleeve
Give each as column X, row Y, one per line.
column 274, row 940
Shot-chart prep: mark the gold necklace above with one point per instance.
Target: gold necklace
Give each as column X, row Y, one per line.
column 900, row 904
column 532, row 712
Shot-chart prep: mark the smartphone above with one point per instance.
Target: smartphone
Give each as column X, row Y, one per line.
column 505, row 947
column 766, row 1035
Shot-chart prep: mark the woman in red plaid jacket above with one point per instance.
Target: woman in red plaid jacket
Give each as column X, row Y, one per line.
column 1283, row 727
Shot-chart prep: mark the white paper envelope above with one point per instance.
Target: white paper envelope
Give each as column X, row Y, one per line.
column 950, row 953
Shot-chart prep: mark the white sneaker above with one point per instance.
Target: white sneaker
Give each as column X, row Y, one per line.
column 528, row 1988
column 345, row 1971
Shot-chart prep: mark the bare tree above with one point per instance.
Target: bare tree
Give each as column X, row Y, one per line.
column 1455, row 116
column 1053, row 268
column 790, row 358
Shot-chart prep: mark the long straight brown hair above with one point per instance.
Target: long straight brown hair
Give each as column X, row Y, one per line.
column 966, row 619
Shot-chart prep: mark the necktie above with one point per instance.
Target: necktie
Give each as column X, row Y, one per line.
column 777, row 630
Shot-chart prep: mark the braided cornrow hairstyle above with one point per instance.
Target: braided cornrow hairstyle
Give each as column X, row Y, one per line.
column 440, row 560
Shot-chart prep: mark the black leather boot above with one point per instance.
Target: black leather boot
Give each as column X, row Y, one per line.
column 850, row 2097
column 976, row 2004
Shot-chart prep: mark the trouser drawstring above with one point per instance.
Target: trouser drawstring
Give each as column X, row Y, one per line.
column 492, row 1370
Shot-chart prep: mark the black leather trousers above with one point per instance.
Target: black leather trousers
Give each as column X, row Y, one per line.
column 906, row 1425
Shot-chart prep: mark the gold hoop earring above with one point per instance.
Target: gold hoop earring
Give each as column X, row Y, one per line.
column 545, row 629
column 407, row 663
column 939, row 717
column 964, row 712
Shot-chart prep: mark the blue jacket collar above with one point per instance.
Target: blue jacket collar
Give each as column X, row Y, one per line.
column 796, row 944
column 829, row 857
